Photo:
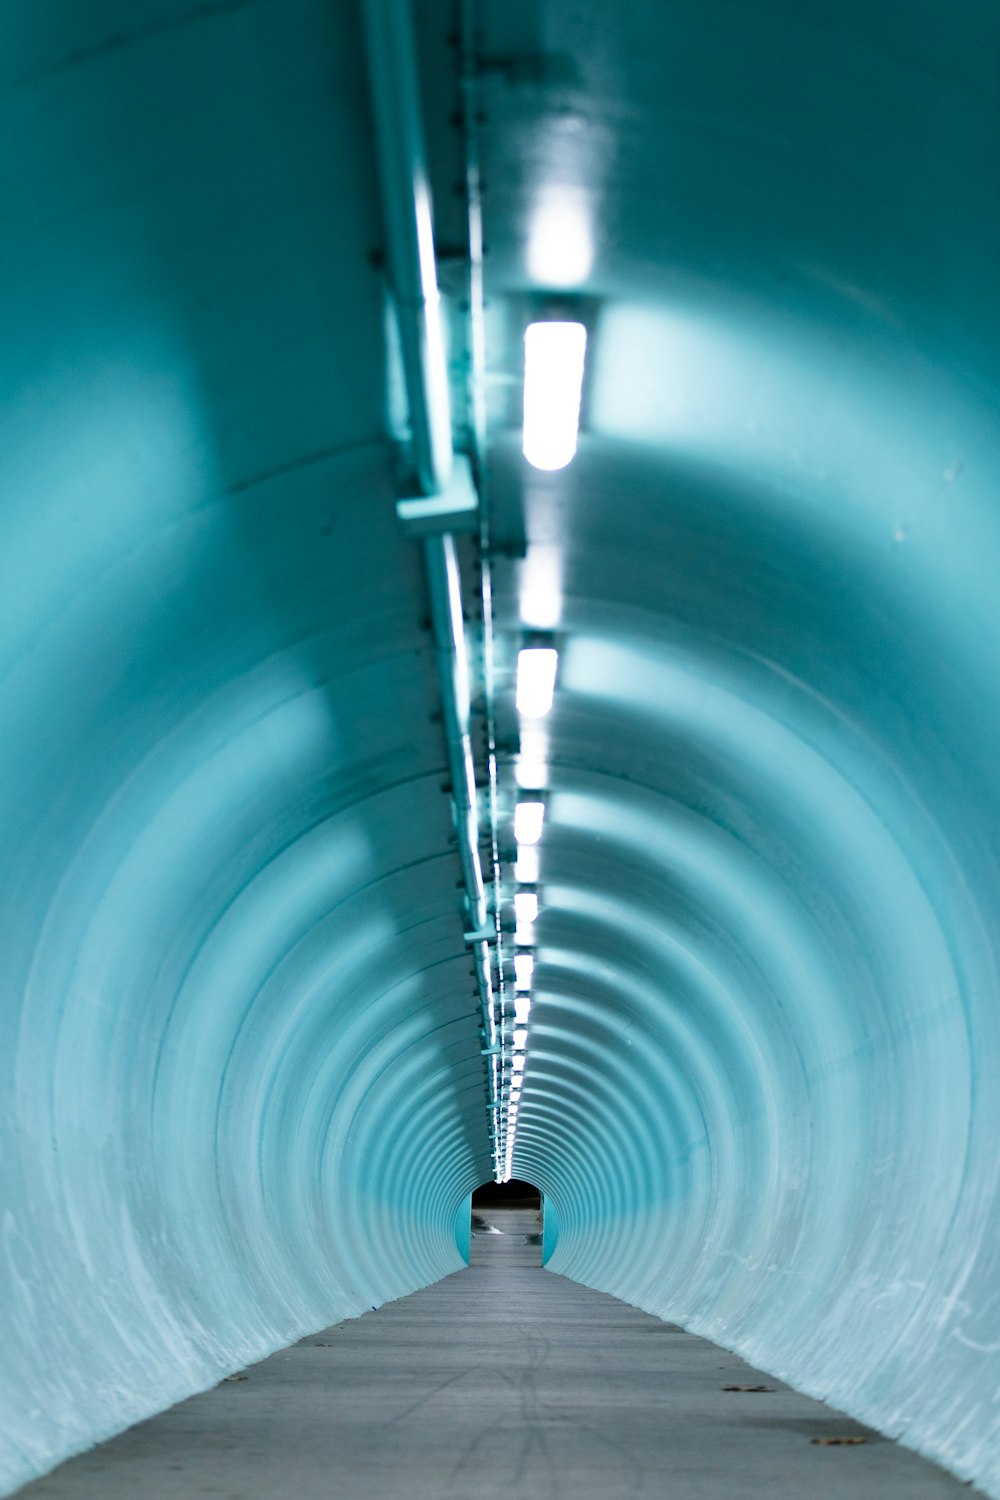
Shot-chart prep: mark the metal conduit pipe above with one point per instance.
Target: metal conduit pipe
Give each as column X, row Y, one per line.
column 470, row 109
column 409, row 237
column 412, row 277
column 445, row 586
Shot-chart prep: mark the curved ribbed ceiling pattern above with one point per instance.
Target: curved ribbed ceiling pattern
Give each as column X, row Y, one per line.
column 242, row 1092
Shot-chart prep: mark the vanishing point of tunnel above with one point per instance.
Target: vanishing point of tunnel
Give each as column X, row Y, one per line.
column 499, row 775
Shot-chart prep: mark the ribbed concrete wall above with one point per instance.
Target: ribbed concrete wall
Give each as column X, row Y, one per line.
column 240, row 1085
column 764, row 1060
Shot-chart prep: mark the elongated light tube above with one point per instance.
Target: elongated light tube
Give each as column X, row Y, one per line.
column 528, row 819
column 532, row 770
column 553, row 382
column 524, row 966
column 522, row 1008
column 525, row 907
column 532, row 773
column 526, row 867
column 536, row 680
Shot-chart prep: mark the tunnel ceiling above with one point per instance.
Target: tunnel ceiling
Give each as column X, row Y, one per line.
column 244, row 1087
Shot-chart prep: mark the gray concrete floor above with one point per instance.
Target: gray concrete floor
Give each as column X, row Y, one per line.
column 501, row 1379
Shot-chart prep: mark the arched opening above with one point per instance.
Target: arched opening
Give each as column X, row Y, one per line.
column 507, row 1225
column 513, row 1194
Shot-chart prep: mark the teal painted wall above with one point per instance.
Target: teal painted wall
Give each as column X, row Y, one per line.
column 240, row 1088
column 463, row 1228
column 241, row 1092
column 550, row 1228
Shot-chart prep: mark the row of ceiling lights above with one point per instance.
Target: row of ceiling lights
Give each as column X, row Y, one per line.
column 445, row 496
column 554, row 353
column 536, row 674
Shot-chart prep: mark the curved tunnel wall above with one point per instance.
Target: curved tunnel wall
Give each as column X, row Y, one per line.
column 761, row 1086
column 763, row 1058
column 241, row 1088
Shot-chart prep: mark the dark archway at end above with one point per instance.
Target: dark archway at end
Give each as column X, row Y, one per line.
column 512, row 1194
column 507, row 1225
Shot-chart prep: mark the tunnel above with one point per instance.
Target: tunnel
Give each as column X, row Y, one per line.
column 401, row 791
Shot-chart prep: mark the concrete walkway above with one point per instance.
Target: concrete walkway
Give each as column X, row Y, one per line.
column 501, row 1379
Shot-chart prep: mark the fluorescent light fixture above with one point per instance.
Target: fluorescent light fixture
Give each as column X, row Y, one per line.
column 528, row 820
column 531, row 768
column 518, row 1062
column 520, row 1037
column 522, row 1007
column 525, row 907
column 532, row 773
column 524, row 964
column 540, row 595
column 524, row 937
column 526, row 868
column 553, row 382
column 560, row 239
column 536, row 680
column 533, row 741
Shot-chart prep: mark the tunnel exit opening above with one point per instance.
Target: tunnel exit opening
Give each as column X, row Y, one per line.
column 512, row 1194
column 507, row 1225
